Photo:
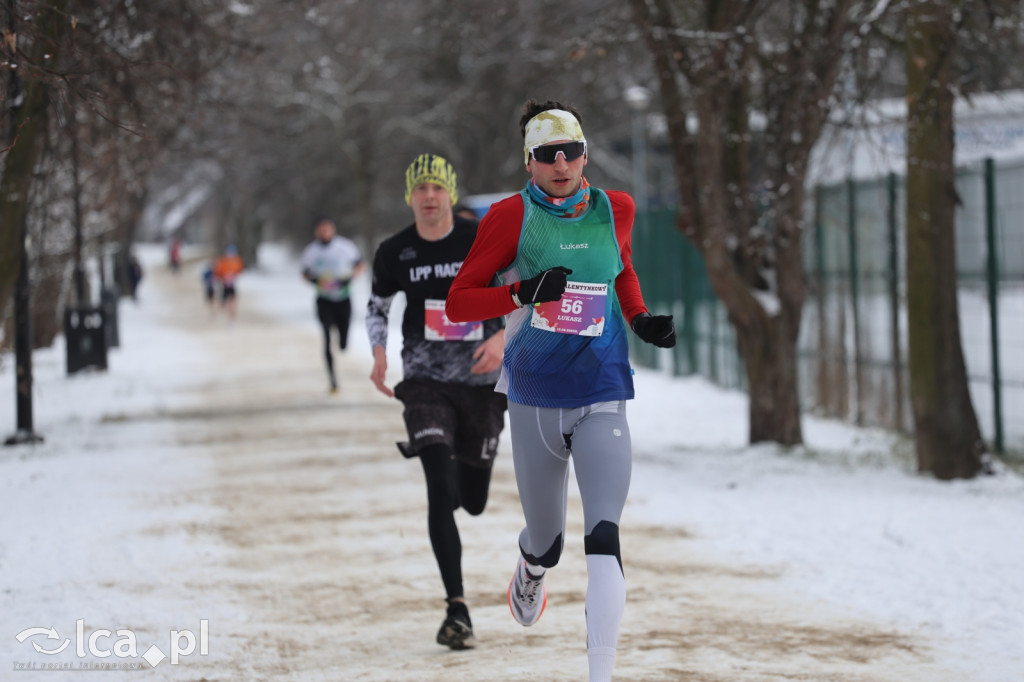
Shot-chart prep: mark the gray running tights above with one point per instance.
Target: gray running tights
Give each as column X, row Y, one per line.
column 597, row 438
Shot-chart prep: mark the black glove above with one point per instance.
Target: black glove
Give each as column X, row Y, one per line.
column 547, row 286
column 656, row 329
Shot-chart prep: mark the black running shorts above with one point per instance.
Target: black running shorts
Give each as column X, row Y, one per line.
column 468, row 419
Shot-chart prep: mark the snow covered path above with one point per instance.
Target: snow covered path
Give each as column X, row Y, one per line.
column 208, row 476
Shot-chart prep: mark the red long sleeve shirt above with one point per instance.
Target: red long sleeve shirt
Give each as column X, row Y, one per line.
column 471, row 296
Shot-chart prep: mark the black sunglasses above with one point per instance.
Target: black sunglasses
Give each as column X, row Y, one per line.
column 547, row 153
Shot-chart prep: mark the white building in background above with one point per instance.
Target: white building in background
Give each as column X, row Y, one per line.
column 870, row 141
column 990, row 125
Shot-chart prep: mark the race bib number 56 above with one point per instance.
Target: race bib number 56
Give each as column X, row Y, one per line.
column 580, row 311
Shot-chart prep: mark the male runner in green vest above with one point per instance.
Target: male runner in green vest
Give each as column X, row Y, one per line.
column 562, row 249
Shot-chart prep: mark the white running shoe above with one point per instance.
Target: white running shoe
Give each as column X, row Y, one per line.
column 526, row 595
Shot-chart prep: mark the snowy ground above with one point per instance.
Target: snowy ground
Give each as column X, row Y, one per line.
column 208, row 477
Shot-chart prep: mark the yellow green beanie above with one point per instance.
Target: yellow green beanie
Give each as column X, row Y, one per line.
column 434, row 169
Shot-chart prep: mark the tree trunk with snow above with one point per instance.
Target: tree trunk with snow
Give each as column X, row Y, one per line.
column 946, row 432
column 713, row 60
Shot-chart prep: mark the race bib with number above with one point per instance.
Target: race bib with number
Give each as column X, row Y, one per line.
column 327, row 284
column 440, row 328
column 580, row 311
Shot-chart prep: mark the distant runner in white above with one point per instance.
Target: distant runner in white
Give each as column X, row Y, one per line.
column 330, row 262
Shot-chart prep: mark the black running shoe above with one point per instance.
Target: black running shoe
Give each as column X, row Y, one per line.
column 457, row 629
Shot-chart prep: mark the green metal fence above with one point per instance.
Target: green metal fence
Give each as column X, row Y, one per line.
column 853, row 340
column 674, row 281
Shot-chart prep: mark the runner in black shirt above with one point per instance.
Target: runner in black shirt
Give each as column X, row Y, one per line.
column 452, row 414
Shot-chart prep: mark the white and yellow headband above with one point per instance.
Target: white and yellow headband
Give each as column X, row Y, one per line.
column 551, row 126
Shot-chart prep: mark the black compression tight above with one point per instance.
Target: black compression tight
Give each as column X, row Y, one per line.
column 333, row 314
column 326, row 326
column 451, row 484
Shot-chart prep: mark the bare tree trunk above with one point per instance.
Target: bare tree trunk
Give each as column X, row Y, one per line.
column 29, row 131
column 946, row 432
column 48, row 299
column 717, row 214
column 766, row 341
column 771, row 373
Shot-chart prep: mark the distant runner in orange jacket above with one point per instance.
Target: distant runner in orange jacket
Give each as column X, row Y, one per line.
column 225, row 270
